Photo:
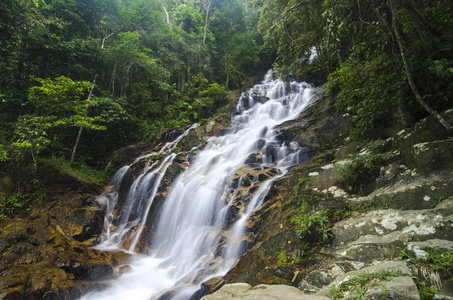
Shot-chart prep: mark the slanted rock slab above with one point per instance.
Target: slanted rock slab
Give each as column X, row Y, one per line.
column 400, row 286
column 260, row 292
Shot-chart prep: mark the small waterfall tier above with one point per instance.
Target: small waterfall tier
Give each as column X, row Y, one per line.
column 183, row 216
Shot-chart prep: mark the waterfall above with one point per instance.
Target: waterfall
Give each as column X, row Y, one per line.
column 199, row 232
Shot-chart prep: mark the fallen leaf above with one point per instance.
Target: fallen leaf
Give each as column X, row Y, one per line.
column 433, row 188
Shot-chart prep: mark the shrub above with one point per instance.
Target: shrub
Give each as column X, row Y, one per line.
column 316, row 223
column 10, row 204
column 360, row 171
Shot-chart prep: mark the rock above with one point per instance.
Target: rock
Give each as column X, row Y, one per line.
column 429, row 156
column 419, row 247
column 379, row 234
column 402, row 288
column 407, row 192
column 425, row 131
column 261, row 292
column 398, row 268
column 209, row 286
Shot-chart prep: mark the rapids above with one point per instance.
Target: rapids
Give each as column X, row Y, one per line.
column 200, row 231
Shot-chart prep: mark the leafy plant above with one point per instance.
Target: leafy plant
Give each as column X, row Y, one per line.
column 359, row 171
column 358, row 285
column 435, row 264
column 78, row 170
column 3, row 153
column 366, row 89
column 313, row 223
column 282, row 256
column 426, row 291
column 302, row 181
column 10, row 204
column 31, row 137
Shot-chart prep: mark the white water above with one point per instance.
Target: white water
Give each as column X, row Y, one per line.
column 192, row 223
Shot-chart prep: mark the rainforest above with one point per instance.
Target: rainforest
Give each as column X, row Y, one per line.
column 267, row 127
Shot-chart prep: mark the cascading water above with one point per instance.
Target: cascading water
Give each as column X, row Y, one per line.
column 199, row 233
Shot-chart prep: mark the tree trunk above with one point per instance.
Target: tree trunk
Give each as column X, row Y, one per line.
column 168, row 17
column 409, row 75
column 227, row 71
column 74, row 149
column 76, row 143
column 207, row 6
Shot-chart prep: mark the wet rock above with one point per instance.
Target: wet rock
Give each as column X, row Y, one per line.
column 122, row 157
column 253, row 160
column 209, row 286
column 86, row 270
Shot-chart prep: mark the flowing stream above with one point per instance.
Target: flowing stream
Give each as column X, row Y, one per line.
column 199, row 232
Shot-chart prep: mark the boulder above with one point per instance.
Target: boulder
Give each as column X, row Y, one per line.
column 430, row 156
column 394, row 270
column 427, row 136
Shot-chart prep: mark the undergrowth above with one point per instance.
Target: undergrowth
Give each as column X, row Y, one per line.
column 313, row 223
column 360, row 171
column 77, row 170
column 357, row 286
column 11, row 204
column 432, row 265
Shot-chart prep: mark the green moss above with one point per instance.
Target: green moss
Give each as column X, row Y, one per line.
column 302, row 182
column 80, row 171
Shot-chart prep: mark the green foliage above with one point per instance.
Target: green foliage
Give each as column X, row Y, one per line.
column 356, row 50
column 302, row 181
column 440, row 260
column 77, row 170
column 360, row 171
column 3, row 153
column 58, row 97
column 313, row 223
column 367, row 89
column 60, row 101
column 358, row 285
column 30, row 138
column 282, row 256
column 427, row 291
column 10, row 204
column 141, row 55
column 215, row 92
column 431, row 267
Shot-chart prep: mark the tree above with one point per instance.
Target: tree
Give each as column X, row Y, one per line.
column 31, row 137
column 408, row 71
column 61, row 102
column 376, row 52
